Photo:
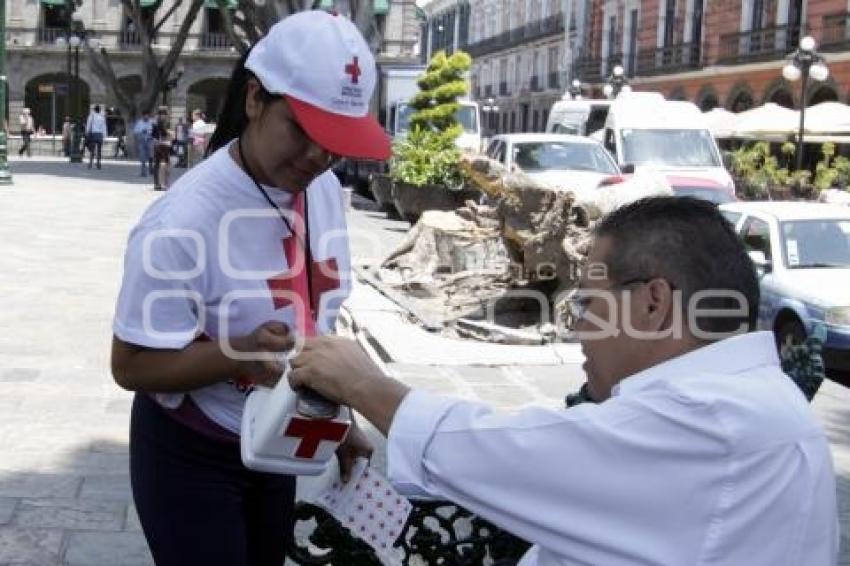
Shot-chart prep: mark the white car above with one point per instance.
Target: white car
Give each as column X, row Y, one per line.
column 562, row 161
column 802, row 255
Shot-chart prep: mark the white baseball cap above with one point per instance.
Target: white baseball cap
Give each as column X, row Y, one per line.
column 326, row 72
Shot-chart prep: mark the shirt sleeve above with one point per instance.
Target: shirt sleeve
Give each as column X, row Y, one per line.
column 161, row 304
column 563, row 479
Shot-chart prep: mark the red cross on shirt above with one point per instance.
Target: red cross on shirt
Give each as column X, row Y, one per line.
column 312, row 432
column 353, row 69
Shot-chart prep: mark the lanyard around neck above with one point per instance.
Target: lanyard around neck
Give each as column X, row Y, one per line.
column 304, row 242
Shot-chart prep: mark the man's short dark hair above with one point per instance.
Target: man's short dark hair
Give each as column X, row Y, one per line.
column 689, row 243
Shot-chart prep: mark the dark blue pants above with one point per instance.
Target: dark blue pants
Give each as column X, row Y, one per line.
column 196, row 501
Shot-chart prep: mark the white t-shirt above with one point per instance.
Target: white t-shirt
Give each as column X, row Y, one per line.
column 198, row 264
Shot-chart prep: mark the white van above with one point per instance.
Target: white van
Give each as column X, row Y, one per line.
column 577, row 117
column 468, row 115
column 645, row 131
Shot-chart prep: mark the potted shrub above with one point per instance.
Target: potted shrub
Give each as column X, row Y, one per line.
column 424, row 167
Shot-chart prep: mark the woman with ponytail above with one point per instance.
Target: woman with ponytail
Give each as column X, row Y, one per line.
column 245, row 255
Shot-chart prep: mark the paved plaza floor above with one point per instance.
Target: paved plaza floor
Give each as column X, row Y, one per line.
column 64, row 487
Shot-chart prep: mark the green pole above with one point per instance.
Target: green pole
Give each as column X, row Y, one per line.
column 5, row 174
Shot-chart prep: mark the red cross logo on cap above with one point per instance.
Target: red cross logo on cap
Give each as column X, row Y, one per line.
column 353, row 69
column 312, row 432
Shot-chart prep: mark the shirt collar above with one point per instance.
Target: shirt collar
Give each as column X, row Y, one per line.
column 729, row 356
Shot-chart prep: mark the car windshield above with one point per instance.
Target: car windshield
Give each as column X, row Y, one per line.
column 677, row 148
column 716, row 196
column 535, row 157
column 816, row 244
column 465, row 115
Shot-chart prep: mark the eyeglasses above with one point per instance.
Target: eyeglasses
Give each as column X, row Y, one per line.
column 578, row 303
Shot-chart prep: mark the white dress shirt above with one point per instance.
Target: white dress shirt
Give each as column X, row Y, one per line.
column 713, row 457
column 96, row 124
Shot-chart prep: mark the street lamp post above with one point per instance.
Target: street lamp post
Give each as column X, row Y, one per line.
column 490, row 108
column 5, row 174
column 616, row 82
column 804, row 63
column 75, row 35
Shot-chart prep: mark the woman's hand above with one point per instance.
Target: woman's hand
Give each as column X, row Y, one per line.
column 356, row 445
column 271, row 340
column 333, row 367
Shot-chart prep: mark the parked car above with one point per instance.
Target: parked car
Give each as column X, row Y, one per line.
column 802, row 254
column 562, row 161
column 696, row 187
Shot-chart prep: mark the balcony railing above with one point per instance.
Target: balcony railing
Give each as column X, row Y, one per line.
column 836, row 32
column 670, row 59
column 48, row 36
column 758, row 45
column 540, row 29
column 555, row 80
column 215, row 41
column 128, row 39
column 503, row 88
column 596, row 70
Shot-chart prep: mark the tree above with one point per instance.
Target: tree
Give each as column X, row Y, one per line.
column 252, row 19
column 156, row 69
column 442, row 84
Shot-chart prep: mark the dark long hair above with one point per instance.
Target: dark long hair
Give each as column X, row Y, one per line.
column 231, row 121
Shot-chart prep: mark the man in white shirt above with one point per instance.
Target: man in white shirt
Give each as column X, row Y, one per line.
column 95, row 134
column 701, row 451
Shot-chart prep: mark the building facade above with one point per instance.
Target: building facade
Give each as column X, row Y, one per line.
column 519, row 51
column 41, row 66
column 726, row 53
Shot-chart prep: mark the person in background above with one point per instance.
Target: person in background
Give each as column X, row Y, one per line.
column 27, row 128
column 198, row 133
column 181, row 142
column 120, row 138
column 162, row 137
column 143, row 131
column 95, row 134
column 66, row 136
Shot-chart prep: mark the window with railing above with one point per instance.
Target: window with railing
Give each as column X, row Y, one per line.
column 836, row 32
column 762, row 44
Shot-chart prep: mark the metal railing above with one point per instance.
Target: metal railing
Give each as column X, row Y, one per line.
column 670, row 59
column 530, row 32
column 215, row 41
column 596, row 69
column 48, row 36
column 836, row 32
column 758, row 45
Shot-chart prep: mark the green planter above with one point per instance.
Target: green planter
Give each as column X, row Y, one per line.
column 381, row 187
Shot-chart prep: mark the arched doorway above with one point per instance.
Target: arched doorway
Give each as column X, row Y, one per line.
column 51, row 97
column 740, row 101
column 824, row 93
column 707, row 98
column 207, row 95
column 782, row 97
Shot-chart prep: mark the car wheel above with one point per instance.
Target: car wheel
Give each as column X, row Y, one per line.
column 790, row 333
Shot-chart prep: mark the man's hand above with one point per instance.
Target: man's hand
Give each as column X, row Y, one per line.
column 336, row 368
column 339, row 370
column 269, row 338
column 356, row 445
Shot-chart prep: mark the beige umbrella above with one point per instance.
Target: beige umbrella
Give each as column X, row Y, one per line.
column 768, row 119
column 828, row 118
column 720, row 122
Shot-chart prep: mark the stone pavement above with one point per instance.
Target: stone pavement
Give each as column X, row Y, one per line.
column 64, row 488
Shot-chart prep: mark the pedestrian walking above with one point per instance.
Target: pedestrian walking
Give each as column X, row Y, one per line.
column 67, row 129
column 144, row 142
column 198, row 133
column 287, row 117
column 181, row 142
column 95, row 134
column 120, row 138
column 162, row 137
column 27, row 129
